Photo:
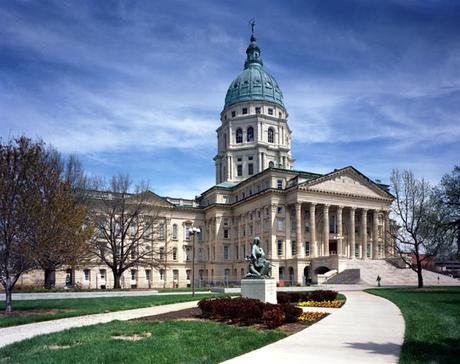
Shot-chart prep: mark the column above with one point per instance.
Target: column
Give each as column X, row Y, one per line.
column 352, row 232
column 298, row 230
column 364, row 234
column 287, row 229
column 326, row 230
column 313, row 246
column 339, row 231
column 375, row 234
column 387, row 237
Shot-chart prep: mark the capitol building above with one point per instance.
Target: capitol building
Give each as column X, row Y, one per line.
column 308, row 223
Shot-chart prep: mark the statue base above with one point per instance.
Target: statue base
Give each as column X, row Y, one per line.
column 258, row 288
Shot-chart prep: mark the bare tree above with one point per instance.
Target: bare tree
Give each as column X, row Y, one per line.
column 420, row 232
column 126, row 227
column 20, row 162
column 60, row 231
column 448, row 198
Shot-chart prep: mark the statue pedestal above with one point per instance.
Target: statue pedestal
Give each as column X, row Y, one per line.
column 261, row 289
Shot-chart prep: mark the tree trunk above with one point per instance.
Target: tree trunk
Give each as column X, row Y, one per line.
column 116, row 280
column 49, row 281
column 420, row 278
column 8, row 299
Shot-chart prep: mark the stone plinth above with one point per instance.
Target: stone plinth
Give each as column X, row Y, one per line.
column 261, row 289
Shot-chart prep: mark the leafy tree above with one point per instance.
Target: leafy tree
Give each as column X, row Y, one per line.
column 126, row 227
column 420, row 233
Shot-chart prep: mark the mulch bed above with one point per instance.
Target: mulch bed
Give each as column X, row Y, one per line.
column 195, row 314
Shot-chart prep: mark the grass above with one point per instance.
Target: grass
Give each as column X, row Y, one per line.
column 171, row 290
column 86, row 306
column 432, row 318
column 161, row 342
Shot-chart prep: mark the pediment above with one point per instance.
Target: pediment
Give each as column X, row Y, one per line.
column 156, row 200
column 347, row 181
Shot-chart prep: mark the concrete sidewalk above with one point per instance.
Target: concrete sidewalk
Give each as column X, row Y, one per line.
column 367, row 329
column 13, row 334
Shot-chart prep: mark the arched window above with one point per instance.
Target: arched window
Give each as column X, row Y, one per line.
column 271, row 164
column 239, row 136
column 250, row 134
column 271, row 135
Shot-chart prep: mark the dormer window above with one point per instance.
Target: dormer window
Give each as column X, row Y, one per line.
column 258, row 110
column 233, row 114
column 270, row 111
column 245, row 110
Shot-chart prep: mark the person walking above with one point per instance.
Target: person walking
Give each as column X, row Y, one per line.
column 378, row 281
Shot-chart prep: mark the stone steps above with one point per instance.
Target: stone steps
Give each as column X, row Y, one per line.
column 391, row 275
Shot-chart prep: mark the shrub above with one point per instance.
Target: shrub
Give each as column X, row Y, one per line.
column 283, row 297
column 291, row 313
column 322, row 295
column 273, row 316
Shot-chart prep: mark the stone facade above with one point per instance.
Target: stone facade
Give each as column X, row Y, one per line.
column 308, row 223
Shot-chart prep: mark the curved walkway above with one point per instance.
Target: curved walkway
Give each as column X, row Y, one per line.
column 13, row 334
column 367, row 329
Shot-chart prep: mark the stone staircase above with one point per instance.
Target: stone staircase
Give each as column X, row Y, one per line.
column 393, row 276
column 347, row 276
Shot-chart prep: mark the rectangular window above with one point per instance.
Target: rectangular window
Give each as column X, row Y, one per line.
column 175, row 275
column 293, row 248
column 148, row 275
column 333, row 224
column 174, row 254
column 188, row 253
column 250, row 169
column 279, row 184
column 280, row 248
column 174, row 232
column 307, row 248
column 257, row 110
column 233, row 114
column 103, row 272
column 225, row 233
column 279, row 225
column 245, row 110
column 239, row 170
column 161, row 231
column 162, row 253
column 279, row 210
column 87, row 274
column 226, row 252
column 368, row 250
column 133, row 274
column 162, row 274
column 357, row 229
column 270, row 111
column 187, row 274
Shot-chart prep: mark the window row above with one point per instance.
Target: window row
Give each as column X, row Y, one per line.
column 258, row 110
column 250, row 135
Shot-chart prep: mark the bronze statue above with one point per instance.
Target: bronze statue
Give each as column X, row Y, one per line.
column 259, row 267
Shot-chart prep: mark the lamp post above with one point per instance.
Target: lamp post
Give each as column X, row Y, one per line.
column 193, row 231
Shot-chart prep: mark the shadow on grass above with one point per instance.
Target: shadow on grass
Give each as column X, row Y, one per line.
column 446, row 351
column 381, row 349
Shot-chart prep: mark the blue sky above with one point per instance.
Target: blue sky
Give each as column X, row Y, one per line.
column 137, row 86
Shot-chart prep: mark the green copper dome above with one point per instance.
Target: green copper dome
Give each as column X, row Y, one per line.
column 253, row 84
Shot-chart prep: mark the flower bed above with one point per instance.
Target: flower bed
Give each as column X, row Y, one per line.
column 330, row 304
column 312, row 316
column 317, row 296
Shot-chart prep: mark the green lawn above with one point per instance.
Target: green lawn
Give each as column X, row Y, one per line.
column 161, row 342
column 432, row 318
column 86, row 306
